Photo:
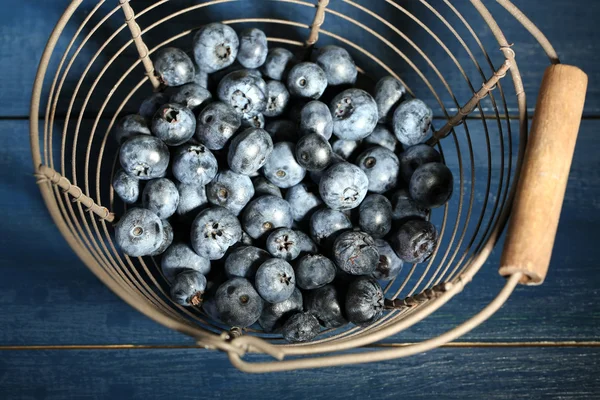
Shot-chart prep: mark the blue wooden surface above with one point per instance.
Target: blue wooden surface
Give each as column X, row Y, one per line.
column 48, row 297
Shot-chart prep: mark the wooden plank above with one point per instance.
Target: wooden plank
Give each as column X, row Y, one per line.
column 492, row 373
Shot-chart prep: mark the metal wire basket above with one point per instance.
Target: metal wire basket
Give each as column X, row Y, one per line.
column 73, row 112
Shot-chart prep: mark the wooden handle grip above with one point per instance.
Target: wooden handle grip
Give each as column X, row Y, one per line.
column 544, row 174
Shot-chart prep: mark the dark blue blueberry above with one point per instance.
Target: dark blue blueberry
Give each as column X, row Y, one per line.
column 249, row 151
column 327, row 304
column 364, row 301
column 180, row 257
column 244, row 261
column 237, row 302
column 256, row 121
column 150, row 105
column 303, row 201
column 244, row 91
column 355, row 253
column 191, row 199
column 306, row 79
column 174, row 124
column 192, row 96
column 274, row 315
column 253, row 48
column 230, row 190
column 283, row 243
column 139, row 232
column 431, row 185
column 354, row 114
column 214, row 231
column 389, row 265
column 278, row 63
column 126, row 187
column 414, row 241
column 404, row 207
column 306, row 244
column 326, row 224
column 275, row 280
column 194, row 164
column 375, row 215
column 161, row 197
column 277, row 99
column 412, row 121
column 131, row 125
column 381, row 166
column 281, row 168
column 343, row 186
column 415, row 156
column 282, row 130
column 315, row 117
column 262, row 186
column 188, row 288
column 388, row 93
column 381, row 136
column 346, row 149
column 216, row 124
column 313, row 152
column 144, row 157
column 266, row 213
column 300, row 327
column 215, row 47
column 173, row 67
column 167, row 239
column 313, row 271
column 339, row 67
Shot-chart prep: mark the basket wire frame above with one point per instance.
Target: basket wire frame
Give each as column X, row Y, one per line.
column 76, row 203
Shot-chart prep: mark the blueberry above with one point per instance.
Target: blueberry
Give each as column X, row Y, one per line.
column 414, row 241
column 167, row 239
column 126, row 186
column 355, row 253
column 213, row 231
column 306, row 244
column 343, row 186
column 266, row 213
column 381, row 166
column 346, row 149
column 139, row 232
column 389, row 265
column 245, row 92
column 275, row 280
column 150, row 105
column 253, row 48
column 306, row 79
column 131, row 125
column 161, row 197
column 194, row 165
column 237, row 302
column 282, row 130
column 201, row 78
column 295, row 107
column 327, row 304
column 431, row 185
column 316, row 118
column 313, row 152
column 216, row 124
column 191, row 199
column 404, row 207
column 354, row 114
column 281, row 168
column 326, row 224
column 314, row 271
column 174, row 124
column 364, row 301
column 192, row 96
column 180, row 257
column 415, row 156
column 262, row 186
column 274, row 315
column 303, row 201
column 230, row 190
column 249, row 151
column 278, row 63
column 381, row 136
column 244, row 261
column 173, row 67
column 339, row 67
column 412, row 120
column 215, row 47
column 256, row 121
column 388, row 93
column 300, row 327
column 375, row 215
column 144, row 157
column 277, row 99
column 246, row 239
column 188, row 288
column 283, row 243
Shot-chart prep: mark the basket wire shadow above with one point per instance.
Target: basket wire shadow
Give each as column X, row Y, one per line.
column 74, row 156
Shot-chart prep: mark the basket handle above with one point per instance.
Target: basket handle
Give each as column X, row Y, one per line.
column 544, row 174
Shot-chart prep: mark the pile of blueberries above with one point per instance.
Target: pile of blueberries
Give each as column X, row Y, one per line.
column 291, row 193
